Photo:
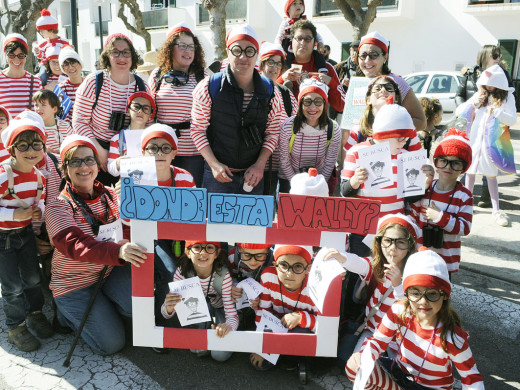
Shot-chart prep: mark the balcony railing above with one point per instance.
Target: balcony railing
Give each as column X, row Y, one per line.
column 236, row 10
column 156, row 18
column 328, row 7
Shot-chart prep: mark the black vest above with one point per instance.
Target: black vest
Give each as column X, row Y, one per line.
column 229, row 124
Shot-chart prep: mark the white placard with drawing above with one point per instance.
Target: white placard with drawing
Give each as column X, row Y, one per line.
column 270, row 323
column 410, row 177
column 193, row 308
column 377, row 160
column 251, row 289
column 133, row 142
column 111, row 232
column 141, row 169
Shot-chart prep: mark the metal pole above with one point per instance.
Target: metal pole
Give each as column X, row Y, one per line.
column 100, row 30
column 74, row 24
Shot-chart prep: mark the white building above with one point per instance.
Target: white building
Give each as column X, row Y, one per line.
column 424, row 34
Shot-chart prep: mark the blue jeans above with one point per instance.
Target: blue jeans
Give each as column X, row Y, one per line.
column 19, row 276
column 234, row 187
column 194, row 165
column 104, row 331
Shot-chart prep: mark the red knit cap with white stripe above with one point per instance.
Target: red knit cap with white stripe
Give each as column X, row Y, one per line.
column 17, row 127
column 116, row 36
column 242, row 32
column 15, row 38
column 246, row 245
column 178, row 28
column 191, row 243
column 309, row 183
column 311, row 85
column 28, row 114
column 455, row 143
column 68, row 53
column 159, row 130
column 288, row 5
column 269, row 49
column 76, row 140
column 52, row 53
column 141, row 94
column 402, row 220
column 393, row 121
column 426, row 269
column 374, row 38
column 299, row 250
column 46, row 21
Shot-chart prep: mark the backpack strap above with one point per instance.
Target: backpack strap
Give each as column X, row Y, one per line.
column 54, row 159
column 215, row 84
column 99, row 83
column 199, row 75
column 10, row 185
column 293, row 136
column 31, row 87
column 330, row 134
column 287, row 104
column 139, row 83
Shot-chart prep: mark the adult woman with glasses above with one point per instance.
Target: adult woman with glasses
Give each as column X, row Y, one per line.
column 84, row 253
column 373, row 62
column 304, row 36
column 309, row 138
column 16, row 84
column 71, row 65
column 181, row 67
column 99, row 110
column 271, row 66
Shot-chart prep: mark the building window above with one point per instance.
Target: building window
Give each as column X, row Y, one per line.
column 508, row 48
column 328, row 7
column 160, row 4
column 236, row 10
column 490, row 2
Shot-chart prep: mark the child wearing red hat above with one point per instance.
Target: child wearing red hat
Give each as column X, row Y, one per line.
column 427, row 332
column 247, row 260
column 206, row 260
column 47, row 26
column 5, row 117
column 446, row 211
column 21, row 201
column 140, row 107
column 286, row 293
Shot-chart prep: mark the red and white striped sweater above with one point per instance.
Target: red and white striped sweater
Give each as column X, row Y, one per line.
column 455, row 220
column 56, row 134
column 70, row 89
column 112, row 97
column 15, row 94
column 436, row 363
column 279, row 301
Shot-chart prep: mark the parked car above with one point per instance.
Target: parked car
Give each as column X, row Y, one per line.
column 437, row 84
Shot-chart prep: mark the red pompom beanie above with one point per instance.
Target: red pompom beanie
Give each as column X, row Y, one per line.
column 402, row 220
column 46, row 21
column 115, row 36
column 242, row 32
column 15, row 38
column 312, row 84
column 299, row 250
column 455, row 143
column 393, row 121
column 426, row 269
column 159, row 130
column 288, row 5
column 178, row 28
column 17, row 127
column 269, row 49
column 76, row 140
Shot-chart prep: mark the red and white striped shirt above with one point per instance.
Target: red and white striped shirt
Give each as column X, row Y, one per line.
column 309, row 149
column 114, row 153
column 201, row 115
column 25, row 187
column 277, row 300
column 417, row 356
column 217, row 300
column 174, row 106
column 390, row 202
column 456, row 218
column 4, row 154
column 78, row 257
column 415, row 142
column 112, row 97
column 43, row 46
column 15, row 94
column 56, row 134
column 52, row 183
column 70, row 89
column 380, row 290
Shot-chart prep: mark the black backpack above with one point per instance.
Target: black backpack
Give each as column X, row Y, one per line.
column 139, row 84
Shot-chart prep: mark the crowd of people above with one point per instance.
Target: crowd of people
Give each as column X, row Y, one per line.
column 263, row 126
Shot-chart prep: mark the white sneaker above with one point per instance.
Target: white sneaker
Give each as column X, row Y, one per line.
column 501, row 218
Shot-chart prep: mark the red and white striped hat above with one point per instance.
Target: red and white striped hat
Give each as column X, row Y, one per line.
column 393, row 121
column 17, row 127
column 115, row 36
column 159, row 130
column 142, row 94
column 6, row 112
column 28, row 114
column 309, row 183
column 15, row 38
column 269, row 49
column 178, row 28
column 426, row 269
column 242, row 32
column 247, row 245
column 76, row 140
column 53, row 52
column 312, row 84
column 455, row 143
column 46, row 21
column 304, row 251
column 402, row 220
column 375, row 38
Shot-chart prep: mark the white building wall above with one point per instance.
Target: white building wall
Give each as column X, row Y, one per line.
column 424, row 34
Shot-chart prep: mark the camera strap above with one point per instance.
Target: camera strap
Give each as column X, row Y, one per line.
column 451, row 197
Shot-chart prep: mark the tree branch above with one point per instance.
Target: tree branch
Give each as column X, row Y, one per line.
column 359, row 18
column 139, row 27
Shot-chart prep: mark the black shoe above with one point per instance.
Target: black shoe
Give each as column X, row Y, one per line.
column 39, row 324
column 288, row 363
column 59, row 328
column 161, row 350
column 23, row 339
column 485, row 198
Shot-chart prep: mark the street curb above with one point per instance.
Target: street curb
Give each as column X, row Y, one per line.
column 475, row 269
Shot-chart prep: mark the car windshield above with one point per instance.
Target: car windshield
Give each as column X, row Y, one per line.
column 417, row 82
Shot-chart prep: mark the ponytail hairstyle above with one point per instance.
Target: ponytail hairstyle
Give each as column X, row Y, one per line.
column 447, row 316
column 378, row 258
column 367, row 119
column 430, row 107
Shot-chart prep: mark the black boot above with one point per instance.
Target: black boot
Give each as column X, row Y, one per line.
column 485, row 199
